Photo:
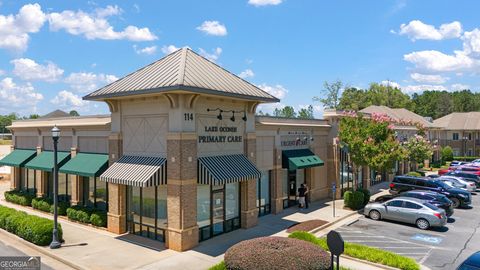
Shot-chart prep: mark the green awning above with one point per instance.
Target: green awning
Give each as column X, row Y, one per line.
column 86, row 165
column 44, row 161
column 300, row 159
column 18, row 158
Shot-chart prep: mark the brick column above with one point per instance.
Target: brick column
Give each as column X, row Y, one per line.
column 76, row 183
column 277, row 183
column 117, row 203
column 248, row 189
column 182, row 233
column 15, row 179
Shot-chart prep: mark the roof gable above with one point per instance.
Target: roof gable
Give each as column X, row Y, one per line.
column 182, row 70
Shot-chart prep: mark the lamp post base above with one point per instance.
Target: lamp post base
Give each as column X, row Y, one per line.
column 55, row 243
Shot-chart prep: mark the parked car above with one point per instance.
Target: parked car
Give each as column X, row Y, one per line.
column 408, row 210
column 437, row 199
column 471, row 263
column 459, row 197
column 470, row 169
column 453, row 183
column 443, row 171
column 433, row 176
column 466, row 175
column 468, row 185
column 457, row 163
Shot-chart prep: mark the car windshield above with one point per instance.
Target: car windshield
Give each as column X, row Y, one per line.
column 443, row 185
column 431, row 206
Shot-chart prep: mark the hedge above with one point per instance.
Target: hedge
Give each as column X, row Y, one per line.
column 265, row 253
column 354, row 199
column 87, row 215
column 43, row 204
column 99, row 219
column 19, row 197
column 415, row 174
column 462, row 158
column 366, row 195
column 363, row 252
column 34, row 229
column 61, row 208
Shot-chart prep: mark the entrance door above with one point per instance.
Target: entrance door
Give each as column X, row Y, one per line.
column 218, row 211
column 292, row 188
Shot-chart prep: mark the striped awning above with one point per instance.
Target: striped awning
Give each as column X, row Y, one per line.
column 137, row 171
column 219, row 170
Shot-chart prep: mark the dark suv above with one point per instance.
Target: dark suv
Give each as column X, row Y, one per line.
column 437, row 199
column 460, row 198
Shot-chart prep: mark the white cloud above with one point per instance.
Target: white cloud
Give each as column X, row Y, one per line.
column 213, row 28
column 418, row 30
column 247, row 73
column 390, row 83
column 435, row 61
column 426, row 78
column 27, row 69
column 68, row 99
column 211, row 56
column 83, row 82
column 459, row 87
column 96, row 26
column 258, row 3
column 423, row 87
column 15, row 29
column 169, row 49
column 2, row 72
column 16, row 96
column 277, row 91
column 270, row 107
column 471, row 42
column 147, row 50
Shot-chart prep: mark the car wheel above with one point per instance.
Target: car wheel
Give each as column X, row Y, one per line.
column 456, row 202
column 422, row 224
column 375, row 215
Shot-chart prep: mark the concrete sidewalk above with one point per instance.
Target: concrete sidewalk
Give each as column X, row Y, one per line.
column 89, row 248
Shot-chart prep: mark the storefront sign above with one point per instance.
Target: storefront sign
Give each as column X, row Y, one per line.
column 294, row 142
column 220, row 138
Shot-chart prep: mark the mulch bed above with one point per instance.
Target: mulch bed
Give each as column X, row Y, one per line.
column 306, row 225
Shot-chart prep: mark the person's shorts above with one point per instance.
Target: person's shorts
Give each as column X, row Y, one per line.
column 301, row 200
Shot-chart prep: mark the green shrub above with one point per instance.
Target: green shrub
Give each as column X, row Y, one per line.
column 61, row 209
column 99, row 219
column 276, row 253
column 363, row 252
column 19, row 197
column 354, row 200
column 218, row 266
column 415, row 174
column 447, row 153
column 366, row 195
column 34, row 229
column 348, row 198
column 79, row 213
column 43, row 204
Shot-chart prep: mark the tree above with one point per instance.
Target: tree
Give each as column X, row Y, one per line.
column 34, row 116
column 306, row 113
column 74, row 113
column 418, row 149
column 353, row 99
column 447, row 153
column 330, row 95
column 287, row 111
column 370, row 141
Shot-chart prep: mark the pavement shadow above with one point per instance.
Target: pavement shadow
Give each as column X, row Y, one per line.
column 142, row 241
column 451, row 220
column 74, row 245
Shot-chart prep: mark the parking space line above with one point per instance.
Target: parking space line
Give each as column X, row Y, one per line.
column 372, row 241
column 406, row 247
column 412, row 253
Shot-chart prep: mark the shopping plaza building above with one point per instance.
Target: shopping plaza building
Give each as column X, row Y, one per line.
column 182, row 156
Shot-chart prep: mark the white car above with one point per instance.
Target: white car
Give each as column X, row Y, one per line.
column 469, row 185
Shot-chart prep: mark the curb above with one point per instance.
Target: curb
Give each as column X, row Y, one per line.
column 41, row 250
column 382, row 266
column 332, row 223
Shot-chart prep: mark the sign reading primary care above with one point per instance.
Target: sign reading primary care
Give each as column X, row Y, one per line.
column 220, row 136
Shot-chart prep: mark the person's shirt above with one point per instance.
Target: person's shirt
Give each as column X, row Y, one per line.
column 301, row 192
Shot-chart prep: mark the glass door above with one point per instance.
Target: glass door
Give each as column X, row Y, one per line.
column 218, row 211
column 292, row 188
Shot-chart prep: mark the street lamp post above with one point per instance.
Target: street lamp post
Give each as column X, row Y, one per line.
column 465, row 138
column 55, row 241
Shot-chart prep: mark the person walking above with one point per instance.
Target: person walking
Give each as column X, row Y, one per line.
column 301, row 196
column 307, row 195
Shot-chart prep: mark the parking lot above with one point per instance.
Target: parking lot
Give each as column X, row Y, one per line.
column 439, row 248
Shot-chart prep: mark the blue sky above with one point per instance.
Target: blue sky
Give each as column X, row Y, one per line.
column 54, row 52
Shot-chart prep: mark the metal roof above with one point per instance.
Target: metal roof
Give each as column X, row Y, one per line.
column 182, row 70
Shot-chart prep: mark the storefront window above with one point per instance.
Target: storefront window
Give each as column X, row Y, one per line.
column 95, row 193
column 359, row 176
column 23, row 178
column 300, row 178
column 64, row 189
column 162, row 206
column 31, row 184
column 148, row 212
column 263, row 194
column 101, row 195
column 50, row 184
column 285, row 185
column 232, row 201
column 203, row 205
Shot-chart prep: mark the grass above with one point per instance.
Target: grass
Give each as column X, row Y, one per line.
column 363, row 252
column 221, row 266
column 5, row 142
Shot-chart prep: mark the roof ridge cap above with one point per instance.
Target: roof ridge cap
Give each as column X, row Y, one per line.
column 182, row 67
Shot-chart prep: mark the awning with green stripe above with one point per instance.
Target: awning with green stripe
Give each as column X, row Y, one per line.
column 89, row 165
column 18, row 158
column 300, row 159
column 44, row 161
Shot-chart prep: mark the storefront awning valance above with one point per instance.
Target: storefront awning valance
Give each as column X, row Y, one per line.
column 219, row 170
column 137, row 171
column 89, row 165
column 18, row 158
column 300, row 159
column 44, row 161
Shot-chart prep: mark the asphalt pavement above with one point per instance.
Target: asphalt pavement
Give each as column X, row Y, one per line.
column 6, row 250
column 437, row 248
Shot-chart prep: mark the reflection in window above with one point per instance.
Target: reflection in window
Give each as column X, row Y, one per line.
column 203, row 205
column 232, row 202
column 162, row 206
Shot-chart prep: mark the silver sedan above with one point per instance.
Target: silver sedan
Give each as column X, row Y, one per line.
column 408, row 210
